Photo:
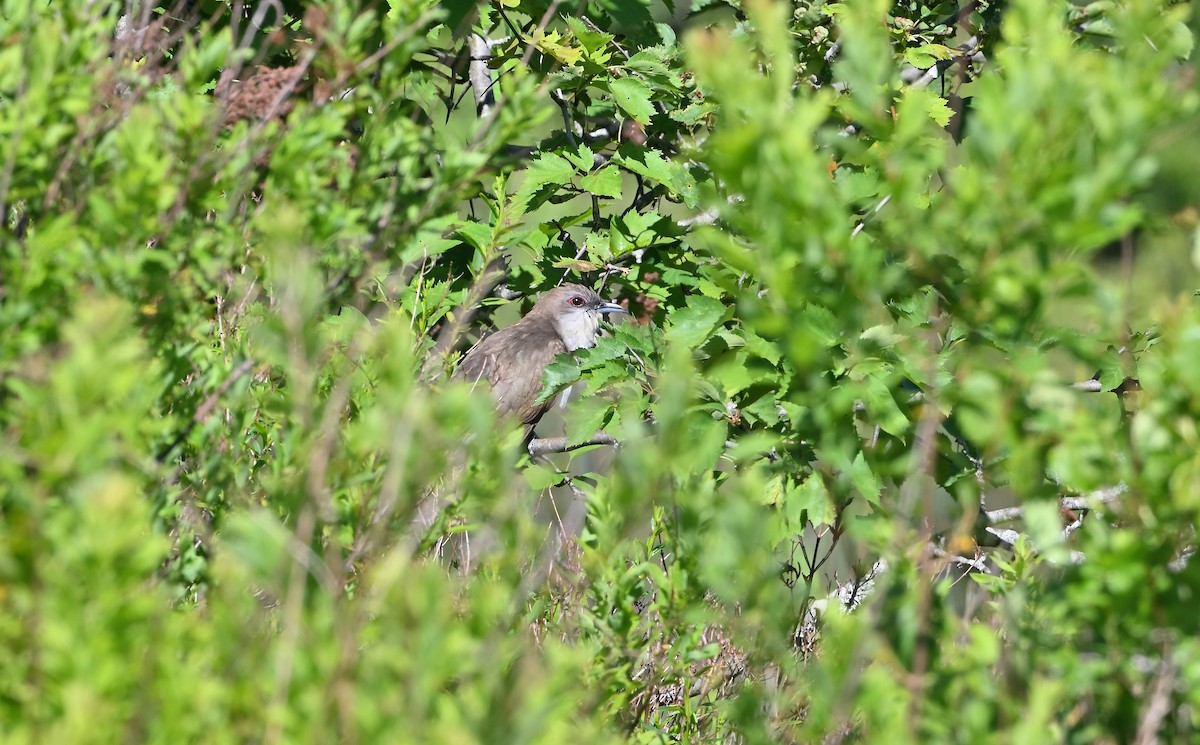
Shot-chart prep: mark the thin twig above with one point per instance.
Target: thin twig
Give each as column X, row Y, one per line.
column 565, row 107
column 206, row 408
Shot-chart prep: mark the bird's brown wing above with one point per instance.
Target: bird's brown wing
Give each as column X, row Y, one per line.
column 511, row 362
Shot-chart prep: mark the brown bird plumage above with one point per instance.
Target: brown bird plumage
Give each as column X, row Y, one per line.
column 512, row 360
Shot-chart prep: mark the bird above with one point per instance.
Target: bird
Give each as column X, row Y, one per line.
column 511, row 361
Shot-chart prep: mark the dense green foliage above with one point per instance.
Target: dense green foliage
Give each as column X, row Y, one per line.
column 866, row 249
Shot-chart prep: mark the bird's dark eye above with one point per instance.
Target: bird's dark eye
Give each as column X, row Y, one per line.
column 576, row 301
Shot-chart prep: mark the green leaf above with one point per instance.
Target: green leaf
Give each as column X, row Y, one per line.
column 607, row 348
column 762, row 348
column 587, row 416
column 641, row 228
column 558, row 375
column 822, row 323
column 1043, row 521
column 632, row 96
column 732, row 372
column 705, row 438
column 882, row 409
column 927, row 55
column 576, row 265
column 648, row 62
column 590, row 39
column 764, row 410
column 543, row 176
column 603, row 183
column 476, row 234
column 541, row 477
column 650, row 163
column 865, row 481
column 639, row 338
column 552, row 43
column 604, row 374
column 693, row 324
column 939, row 111
column 583, row 158
column 809, row 502
column 632, row 17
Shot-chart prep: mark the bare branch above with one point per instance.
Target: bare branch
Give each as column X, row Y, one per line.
column 480, row 75
column 1085, row 502
column 551, row 445
column 848, row 596
column 1158, row 704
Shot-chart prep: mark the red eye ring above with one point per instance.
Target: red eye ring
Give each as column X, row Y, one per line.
column 576, row 301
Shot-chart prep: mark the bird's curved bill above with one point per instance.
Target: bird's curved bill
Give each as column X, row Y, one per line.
column 610, row 308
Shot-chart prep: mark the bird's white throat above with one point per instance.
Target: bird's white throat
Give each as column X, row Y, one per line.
column 578, row 329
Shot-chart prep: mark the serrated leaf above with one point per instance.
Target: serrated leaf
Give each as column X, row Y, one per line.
column 882, row 335
column 652, row 66
column 477, row 235
column 734, row 373
column 857, row 187
column 693, row 324
column 759, row 346
column 940, row 112
column 927, row 55
column 775, row 491
column 821, row 323
column 606, row 373
column 558, row 375
column 731, row 339
column 607, row 348
column 672, row 277
column 597, row 245
column 694, row 113
column 583, row 158
column 638, row 226
column 551, row 43
column 618, row 244
column 649, row 163
column 542, row 178
column 590, row 39
column 632, row 96
column 635, row 337
column 764, row 410
column 427, row 244
column 603, row 183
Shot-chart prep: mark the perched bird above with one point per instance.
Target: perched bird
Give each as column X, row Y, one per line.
column 512, row 360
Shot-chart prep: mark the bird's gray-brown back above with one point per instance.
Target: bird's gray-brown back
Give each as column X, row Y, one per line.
column 511, row 362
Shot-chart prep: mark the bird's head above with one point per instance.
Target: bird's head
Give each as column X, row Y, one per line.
column 575, row 311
